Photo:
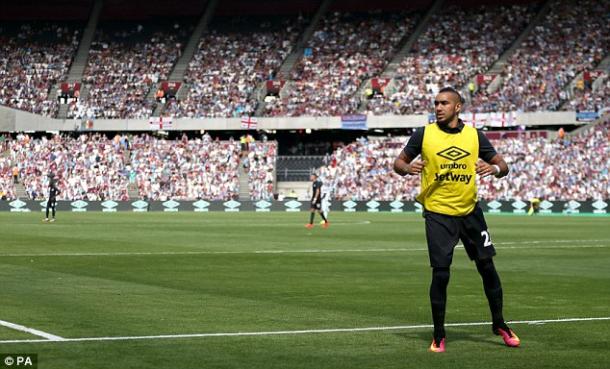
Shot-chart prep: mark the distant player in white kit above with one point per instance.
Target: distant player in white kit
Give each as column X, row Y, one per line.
column 326, row 198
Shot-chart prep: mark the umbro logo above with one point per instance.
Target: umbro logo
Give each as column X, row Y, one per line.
column 453, row 153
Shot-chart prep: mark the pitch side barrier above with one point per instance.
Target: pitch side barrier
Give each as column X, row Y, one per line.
column 373, row 206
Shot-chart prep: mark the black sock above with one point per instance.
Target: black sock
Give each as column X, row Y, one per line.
column 493, row 290
column 438, row 300
column 323, row 217
column 311, row 217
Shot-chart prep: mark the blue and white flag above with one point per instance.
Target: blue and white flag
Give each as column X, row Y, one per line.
column 354, row 121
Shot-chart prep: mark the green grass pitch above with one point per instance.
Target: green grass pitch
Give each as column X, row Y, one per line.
column 139, row 276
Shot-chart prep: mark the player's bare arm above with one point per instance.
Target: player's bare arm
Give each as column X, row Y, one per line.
column 404, row 165
column 495, row 167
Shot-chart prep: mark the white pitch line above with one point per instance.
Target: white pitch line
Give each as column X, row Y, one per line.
column 35, row 332
column 556, row 247
column 318, row 251
column 297, row 332
column 547, row 241
column 363, row 222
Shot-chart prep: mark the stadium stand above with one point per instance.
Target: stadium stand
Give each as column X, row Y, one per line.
column 575, row 167
column 7, row 186
column 125, row 61
column 89, row 167
column 591, row 92
column 261, row 161
column 556, row 67
column 345, row 50
column 459, row 43
column 34, row 56
column 233, row 59
column 363, row 170
column 231, row 62
column 185, row 169
column 561, row 169
column 93, row 167
column 571, row 39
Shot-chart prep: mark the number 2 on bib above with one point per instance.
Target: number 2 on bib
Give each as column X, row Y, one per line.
column 487, row 238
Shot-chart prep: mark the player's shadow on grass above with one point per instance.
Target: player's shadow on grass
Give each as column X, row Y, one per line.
column 456, row 336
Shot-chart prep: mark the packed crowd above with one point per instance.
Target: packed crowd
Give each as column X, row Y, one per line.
column 33, row 58
column 560, row 169
column 183, row 169
column 259, row 161
column 96, row 168
column 93, row 167
column 230, row 64
column 363, row 170
column 125, row 62
column 589, row 96
column 573, row 38
column 570, row 168
column 458, row 44
column 344, row 51
column 7, row 188
column 90, row 167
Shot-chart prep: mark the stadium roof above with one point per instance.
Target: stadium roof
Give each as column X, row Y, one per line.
column 143, row 9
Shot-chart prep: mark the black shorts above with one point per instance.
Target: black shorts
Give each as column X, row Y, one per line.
column 316, row 205
column 444, row 231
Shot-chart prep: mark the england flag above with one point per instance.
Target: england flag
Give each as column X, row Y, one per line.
column 248, row 122
column 160, row 122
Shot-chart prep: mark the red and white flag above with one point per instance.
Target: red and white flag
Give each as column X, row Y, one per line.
column 494, row 119
column 476, row 120
column 502, row 119
column 248, row 122
column 160, row 122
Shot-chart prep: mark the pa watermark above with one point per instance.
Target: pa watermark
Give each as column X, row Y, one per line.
column 29, row 361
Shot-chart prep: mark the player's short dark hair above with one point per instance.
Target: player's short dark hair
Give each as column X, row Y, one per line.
column 453, row 91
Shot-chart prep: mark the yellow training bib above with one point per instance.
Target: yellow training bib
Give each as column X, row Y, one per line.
column 448, row 180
